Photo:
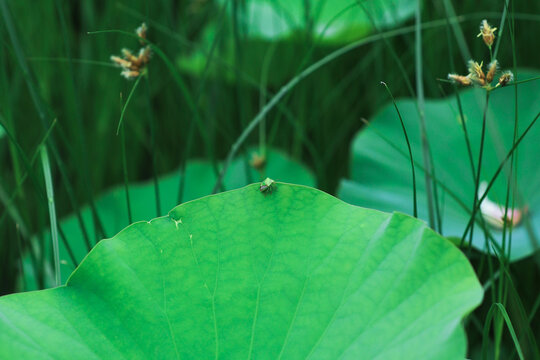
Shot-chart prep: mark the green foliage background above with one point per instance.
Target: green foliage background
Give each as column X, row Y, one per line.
column 314, row 124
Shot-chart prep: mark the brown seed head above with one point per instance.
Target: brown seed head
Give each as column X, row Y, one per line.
column 130, row 74
column 258, row 162
column 476, row 73
column 492, row 70
column 487, row 33
column 144, row 55
column 460, row 79
column 132, row 66
column 505, row 78
column 141, row 32
column 121, row 62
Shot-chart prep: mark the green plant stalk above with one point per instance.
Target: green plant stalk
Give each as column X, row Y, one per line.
column 238, row 12
column 487, row 326
column 458, row 32
column 520, row 310
column 499, row 169
column 153, row 147
column 460, row 106
column 479, row 171
column 262, row 97
column 191, row 129
column 41, row 108
column 72, row 60
column 426, row 153
column 307, row 57
column 490, row 184
column 465, row 132
column 123, row 112
column 125, row 172
column 442, row 185
column 7, row 117
column 11, row 209
column 285, row 89
column 511, row 185
column 181, row 85
column 415, row 201
column 500, row 29
column 52, row 213
column 20, row 249
column 81, row 143
column 29, row 169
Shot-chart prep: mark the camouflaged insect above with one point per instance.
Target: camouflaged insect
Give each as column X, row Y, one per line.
column 267, row 186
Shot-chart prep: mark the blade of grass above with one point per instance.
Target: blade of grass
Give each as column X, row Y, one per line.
column 81, row 141
column 432, row 199
column 181, row 85
column 415, row 202
column 491, row 313
column 191, row 131
column 285, row 89
column 153, row 146
column 125, row 172
column 500, row 29
column 479, row 170
column 501, row 165
column 52, row 213
column 130, row 95
column 41, row 108
column 458, row 33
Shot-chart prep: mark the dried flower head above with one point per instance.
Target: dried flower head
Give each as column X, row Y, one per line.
column 505, row 78
column 141, row 31
column 258, row 162
column 487, row 33
column 460, row 79
column 492, row 70
column 476, row 73
column 134, row 65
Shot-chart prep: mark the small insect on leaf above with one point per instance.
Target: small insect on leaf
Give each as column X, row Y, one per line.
column 267, row 186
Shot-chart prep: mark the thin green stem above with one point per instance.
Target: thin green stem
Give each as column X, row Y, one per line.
column 153, row 147
column 502, row 311
column 79, row 120
column 181, row 85
column 426, row 153
column 415, row 201
column 479, row 170
column 125, row 172
column 499, row 169
column 41, row 108
column 123, row 112
column 52, row 214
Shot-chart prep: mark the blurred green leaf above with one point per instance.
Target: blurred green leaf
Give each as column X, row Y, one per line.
column 199, row 182
column 381, row 176
column 269, row 27
column 291, row 274
column 336, row 21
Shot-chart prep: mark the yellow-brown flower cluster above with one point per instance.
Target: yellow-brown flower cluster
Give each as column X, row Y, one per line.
column 476, row 74
column 134, row 65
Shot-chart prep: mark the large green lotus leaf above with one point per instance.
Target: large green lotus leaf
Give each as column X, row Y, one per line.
column 381, row 176
column 290, row 274
column 199, row 182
